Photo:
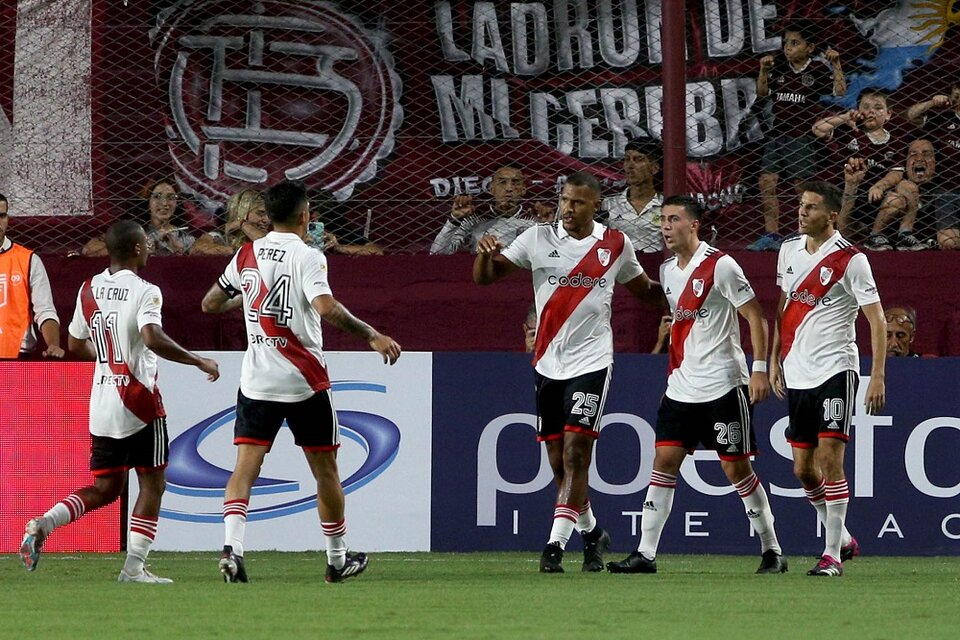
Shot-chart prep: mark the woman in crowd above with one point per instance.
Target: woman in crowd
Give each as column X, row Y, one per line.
column 246, row 221
column 167, row 235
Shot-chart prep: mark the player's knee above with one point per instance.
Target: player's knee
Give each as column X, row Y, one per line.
column 807, row 475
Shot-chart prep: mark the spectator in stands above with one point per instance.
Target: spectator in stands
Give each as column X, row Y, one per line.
column 793, row 88
column 159, row 204
column 27, row 298
column 663, row 335
column 899, row 194
column 940, row 115
column 636, row 211
column 246, row 221
column 505, row 219
column 874, row 156
column 337, row 234
column 530, row 329
column 901, row 329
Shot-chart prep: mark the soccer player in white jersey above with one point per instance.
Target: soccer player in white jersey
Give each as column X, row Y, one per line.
column 709, row 397
column 824, row 280
column 281, row 282
column 575, row 263
column 117, row 324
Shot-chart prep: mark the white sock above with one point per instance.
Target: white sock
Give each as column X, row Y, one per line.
column 838, row 496
column 758, row 510
column 586, row 521
column 235, row 524
column 817, row 498
column 64, row 512
column 334, row 533
column 142, row 532
column 564, row 519
column 656, row 510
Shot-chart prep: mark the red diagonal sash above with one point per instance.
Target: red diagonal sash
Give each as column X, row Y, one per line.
column 565, row 299
column 306, row 363
column 811, row 290
column 145, row 404
column 688, row 305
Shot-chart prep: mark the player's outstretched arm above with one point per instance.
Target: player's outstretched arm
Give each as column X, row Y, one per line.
column 217, row 301
column 489, row 266
column 83, row 349
column 340, row 317
column 759, row 338
column 776, row 373
column 163, row 345
column 876, row 391
column 647, row 290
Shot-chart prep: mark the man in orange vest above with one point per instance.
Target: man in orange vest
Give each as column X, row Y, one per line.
column 25, row 298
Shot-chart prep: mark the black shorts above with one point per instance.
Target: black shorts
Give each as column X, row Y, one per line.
column 144, row 450
column 724, row 425
column 313, row 422
column 822, row 412
column 571, row 405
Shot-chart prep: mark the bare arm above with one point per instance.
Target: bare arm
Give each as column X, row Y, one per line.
column 918, row 112
column 876, row 390
column 776, row 374
column 489, row 266
column 839, row 80
column 50, row 330
column 763, row 78
column 83, row 349
column 759, row 335
column 207, row 246
column 161, row 344
column 883, row 185
column 340, row 317
column 823, row 128
column 217, row 301
column 647, row 290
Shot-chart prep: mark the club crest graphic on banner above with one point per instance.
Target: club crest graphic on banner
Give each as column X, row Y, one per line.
column 265, row 90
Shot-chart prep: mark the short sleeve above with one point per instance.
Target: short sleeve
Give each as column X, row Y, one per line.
column 630, row 267
column 148, row 311
column 315, row 276
column 732, row 284
column 860, row 282
column 781, row 267
column 520, row 251
column 79, row 328
column 229, row 280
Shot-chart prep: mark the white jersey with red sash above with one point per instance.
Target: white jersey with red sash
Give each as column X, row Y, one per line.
column 706, row 360
column 279, row 276
column 573, row 286
column 111, row 311
column 824, row 290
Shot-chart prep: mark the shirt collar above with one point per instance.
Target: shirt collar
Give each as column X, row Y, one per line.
column 598, row 230
column 832, row 240
column 7, row 243
column 283, row 235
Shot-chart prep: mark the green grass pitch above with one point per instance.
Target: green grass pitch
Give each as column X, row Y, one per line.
column 478, row 595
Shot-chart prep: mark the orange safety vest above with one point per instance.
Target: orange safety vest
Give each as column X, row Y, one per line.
column 16, row 312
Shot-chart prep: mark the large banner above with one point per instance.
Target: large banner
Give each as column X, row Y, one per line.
column 493, row 488
column 385, row 421
column 394, row 107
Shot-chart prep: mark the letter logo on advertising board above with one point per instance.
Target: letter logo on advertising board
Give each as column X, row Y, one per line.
column 189, row 474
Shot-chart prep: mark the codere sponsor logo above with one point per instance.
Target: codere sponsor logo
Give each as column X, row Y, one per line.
column 577, row 280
